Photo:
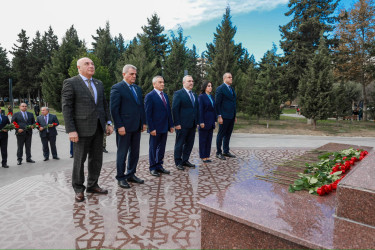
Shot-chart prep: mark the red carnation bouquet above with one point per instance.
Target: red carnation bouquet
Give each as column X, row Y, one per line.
column 10, row 127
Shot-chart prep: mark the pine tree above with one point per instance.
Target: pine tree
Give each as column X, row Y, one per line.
column 120, row 44
column 56, row 72
column 4, row 72
column 51, row 40
column 244, row 88
column 316, row 85
column 21, row 64
column 269, row 84
column 153, row 31
column 344, row 94
column 105, row 49
column 176, row 62
column 223, row 55
column 355, row 52
column 300, row 37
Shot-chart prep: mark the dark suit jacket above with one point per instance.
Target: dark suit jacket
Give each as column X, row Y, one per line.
column 225, row 102
column 207, row 112
column 17, row 117
column 51, row 119
column 80, row 112
column 158, row 117
column 126, row 112
column 4, row 122
column 184, row 113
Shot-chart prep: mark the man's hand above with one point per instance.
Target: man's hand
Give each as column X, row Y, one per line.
column 41, row 128
column 121, row 131
column 109, row 130
column 144, row 127
column 220, row 120
column 235, row 120
column 32, row 126
column 20, row 130
column 171, row 130
column 202, row 125
column 178, row 127
column 153, row 132
column 73, row 136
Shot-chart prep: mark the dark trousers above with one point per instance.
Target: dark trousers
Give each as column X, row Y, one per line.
column 4, row 147
column 24, row 139
column 93, row 147
column 157, row 150
column 127, row 144
column 205, row 142
column 184, row 144
column 71, row 148
column 52, row 143
column 223, row 136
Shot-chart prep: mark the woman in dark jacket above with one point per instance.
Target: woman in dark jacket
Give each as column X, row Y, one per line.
column 207, row 117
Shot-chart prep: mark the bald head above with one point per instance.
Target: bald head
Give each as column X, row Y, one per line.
column 86, row 67
column 227, row 78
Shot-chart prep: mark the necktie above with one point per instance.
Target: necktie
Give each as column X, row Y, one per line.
column 191, row 97
column 45, row 118
column 231, row 90
column 163, row 99
column 134, row 94
column 90, row 88
column 24, row 116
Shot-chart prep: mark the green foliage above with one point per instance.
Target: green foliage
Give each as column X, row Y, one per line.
column 54, row 73
column 316, row 85
column 300, row 37
column 245, row 88
column 344, row 94
column 4, row 72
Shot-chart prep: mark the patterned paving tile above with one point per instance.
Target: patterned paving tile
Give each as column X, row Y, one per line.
column 40, row 212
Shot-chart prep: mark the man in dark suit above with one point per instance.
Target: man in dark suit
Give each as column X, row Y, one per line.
column 129, row 117
column 47, row 131
column 159, row 122
column 24, row 133
column 87, row 117
column 4, row 140
column 226, row 112
column 185, row 110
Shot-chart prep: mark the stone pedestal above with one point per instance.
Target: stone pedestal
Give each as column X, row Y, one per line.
column 256, row 214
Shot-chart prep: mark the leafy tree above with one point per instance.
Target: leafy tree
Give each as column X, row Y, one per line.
column 101, row 72
column 344, row 94
column 355, row 52
column 4, row 72
column 223, row 55
column 21, row 63
column 137, row 56
column 316, row 85
column 105, row 49
column 159, row 42
column 51, row 40
column 269, row 84
column 54, row 73
column 120, row 44
column 300, row 37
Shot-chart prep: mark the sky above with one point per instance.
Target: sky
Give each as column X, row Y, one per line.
column 257, row 21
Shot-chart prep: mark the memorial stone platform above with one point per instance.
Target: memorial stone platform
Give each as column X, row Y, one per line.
column 40, row 211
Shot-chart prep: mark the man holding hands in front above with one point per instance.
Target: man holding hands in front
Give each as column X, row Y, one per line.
column 185, row 109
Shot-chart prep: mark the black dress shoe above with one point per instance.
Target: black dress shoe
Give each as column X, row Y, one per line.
column 56, row 158
column 229, row 155
column 220, row 156
column 5, row 166
column 19, row 162
column 123, row 184
column 79, row 197
column 97, row 190
column 45, row 159
column 188, row 164
column 206, row 161
column 163, row 171
column 180, row 167
column 154, row 173
column 105, row 150
column 135, row 179
column 71, row 156
column 30, row 161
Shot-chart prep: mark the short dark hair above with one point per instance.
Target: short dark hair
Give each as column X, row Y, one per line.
column 204, row 86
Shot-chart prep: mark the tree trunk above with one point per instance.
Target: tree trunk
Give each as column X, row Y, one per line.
column 314, row 123
column 39, row 99
column 28, row 98
column 267, row 124
column 364, row 110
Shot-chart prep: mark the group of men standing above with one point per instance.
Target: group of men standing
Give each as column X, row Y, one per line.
column 88, row 116
column 25, row 123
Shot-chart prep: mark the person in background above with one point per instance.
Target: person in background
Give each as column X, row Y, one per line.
column 47, row 131
column 4, row 120
column 207, row 116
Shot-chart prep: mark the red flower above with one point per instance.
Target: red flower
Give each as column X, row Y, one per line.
column 361, row 157
column 366, row 153
column 354, row 159
column 326, row 188
column 351, row 162
column 320, row 191
column 344, row 158
column 54, row 124
column 347, row 164
column 334, row 186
